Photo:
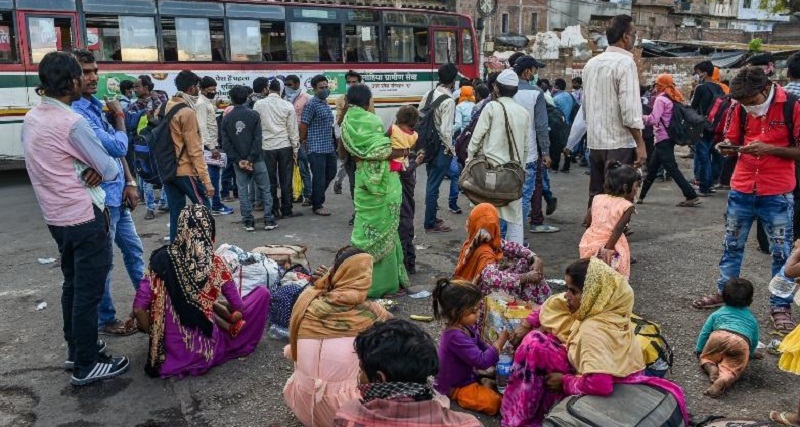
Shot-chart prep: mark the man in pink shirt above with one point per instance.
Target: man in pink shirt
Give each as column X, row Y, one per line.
column 296, row 94
column 66, row 163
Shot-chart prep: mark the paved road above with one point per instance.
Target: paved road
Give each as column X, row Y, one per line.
column 677, row 250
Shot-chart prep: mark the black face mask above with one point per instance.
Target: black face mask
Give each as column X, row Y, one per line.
column 211, row 95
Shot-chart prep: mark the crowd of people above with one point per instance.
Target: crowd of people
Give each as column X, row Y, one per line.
column 87, row 180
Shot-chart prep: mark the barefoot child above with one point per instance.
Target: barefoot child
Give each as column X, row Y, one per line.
column 729, row 338
column 403, row 136
column 608, row 216
column 461, row 350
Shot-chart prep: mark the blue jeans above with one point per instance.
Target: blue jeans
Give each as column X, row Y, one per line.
column 305, row 171
column 259, row 180
column 214, row 172
column 527, row 189
column 455, row 173
column 150, row 196
column 776, row 214
column 702, row 164
column 438, row 167
column 546, row 192
column 177, row 192
column 121, row 231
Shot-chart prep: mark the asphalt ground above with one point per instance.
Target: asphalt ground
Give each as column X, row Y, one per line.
column 678, row 250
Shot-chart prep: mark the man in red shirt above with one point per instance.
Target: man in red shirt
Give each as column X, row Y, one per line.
column 762, row 183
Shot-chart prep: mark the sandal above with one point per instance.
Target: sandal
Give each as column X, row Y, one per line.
column 708, row 302
column 689, row 203
column 118, row 328
column 782, row 320
column 322, row 212
column 782, row 418
column 439, row 228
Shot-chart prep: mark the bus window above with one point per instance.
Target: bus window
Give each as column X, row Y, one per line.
column 256, row 41
column 313, row 42
column 362, row 43
column 47, row 34
column 8, row 42
column 193, row 39
column 407, row 44
column 467, row 56
column 122, row 38
column 444, row 46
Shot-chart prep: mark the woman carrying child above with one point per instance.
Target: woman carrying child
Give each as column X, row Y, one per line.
column 729, row 338
column 660, row 119
column 176, row 304
column 378, row 192
column 579, row 342
column 461, row 350
column 608, row 216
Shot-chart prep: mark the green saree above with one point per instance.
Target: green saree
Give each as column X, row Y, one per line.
column 377, row 200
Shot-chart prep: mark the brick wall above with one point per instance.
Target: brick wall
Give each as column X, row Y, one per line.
column 520, row 16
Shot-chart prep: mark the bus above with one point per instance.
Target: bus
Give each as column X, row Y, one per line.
column 397, row 51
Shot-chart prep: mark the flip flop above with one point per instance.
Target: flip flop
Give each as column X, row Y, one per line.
column 781, row 418
column 321, row 212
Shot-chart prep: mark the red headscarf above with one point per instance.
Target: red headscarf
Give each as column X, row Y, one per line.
column 665, row 83
column 483, row 244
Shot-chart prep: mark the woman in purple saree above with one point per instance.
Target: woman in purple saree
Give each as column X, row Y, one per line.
column 176, row 304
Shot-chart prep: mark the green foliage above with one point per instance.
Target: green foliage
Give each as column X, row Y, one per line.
column 755, row 45
column 780, row 6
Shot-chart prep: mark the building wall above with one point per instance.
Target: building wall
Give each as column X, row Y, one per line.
column 652, row 20
column 565, row 13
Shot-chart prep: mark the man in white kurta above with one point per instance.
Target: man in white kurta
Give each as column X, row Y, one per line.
column 490, row 137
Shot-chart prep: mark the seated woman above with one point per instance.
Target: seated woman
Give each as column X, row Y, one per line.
column 176, row 304
column 583, row 344
column 378, row 192
column 325, row 321
column 499, row 265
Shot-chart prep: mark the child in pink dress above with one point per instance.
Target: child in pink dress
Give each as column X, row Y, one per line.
column 608, row 216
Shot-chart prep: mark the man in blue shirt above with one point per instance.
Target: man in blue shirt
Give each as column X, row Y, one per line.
column 121, row 194
column 316, row 134
column 565, row 102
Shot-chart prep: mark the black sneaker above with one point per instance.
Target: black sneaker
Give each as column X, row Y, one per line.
column 69, row 364
column 270, row 225
column 106, row 367
column 249, row 226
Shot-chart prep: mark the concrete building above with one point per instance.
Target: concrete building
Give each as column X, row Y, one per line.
column 653, row 18
column 523, row 17
column 591, row 13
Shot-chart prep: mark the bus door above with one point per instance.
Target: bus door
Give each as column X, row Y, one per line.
column 444, row 46
column 44, row 32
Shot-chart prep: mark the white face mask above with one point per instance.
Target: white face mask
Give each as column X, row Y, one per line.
column 760, row 109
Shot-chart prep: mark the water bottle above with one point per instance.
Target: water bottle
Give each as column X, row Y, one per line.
column 503, row 369
column 782, row 286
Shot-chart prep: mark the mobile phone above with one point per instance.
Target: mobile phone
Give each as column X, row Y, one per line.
column 728, row 147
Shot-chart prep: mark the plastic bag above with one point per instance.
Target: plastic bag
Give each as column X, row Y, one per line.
column 502, row 312
column 297, row 182
column 249, row 270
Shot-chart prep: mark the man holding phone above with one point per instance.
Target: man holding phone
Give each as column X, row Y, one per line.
column 764, row 131
column 121, row 194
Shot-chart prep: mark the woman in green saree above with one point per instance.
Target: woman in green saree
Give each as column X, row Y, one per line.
column 378, row 193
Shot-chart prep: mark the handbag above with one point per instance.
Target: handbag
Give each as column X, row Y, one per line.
column 499, row 185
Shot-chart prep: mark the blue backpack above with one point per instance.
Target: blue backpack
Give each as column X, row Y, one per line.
column 143, row 163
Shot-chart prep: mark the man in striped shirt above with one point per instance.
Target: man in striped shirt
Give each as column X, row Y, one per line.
column 611, row 104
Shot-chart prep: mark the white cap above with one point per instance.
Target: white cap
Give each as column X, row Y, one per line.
column 508, row 78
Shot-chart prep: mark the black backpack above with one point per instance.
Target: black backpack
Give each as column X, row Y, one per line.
column 428, row 136
column 576, row 107
column 161, row 147
column 463, row 139
column 686, row 126
column 559, row 131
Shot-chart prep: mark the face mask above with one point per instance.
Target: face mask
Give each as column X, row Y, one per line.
column 323, row 94
column 760, row 109
column 534, row 79
column 696, row 77
column 210, row 95
column 291, row 94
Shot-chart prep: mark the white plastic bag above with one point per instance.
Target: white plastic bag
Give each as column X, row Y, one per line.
column 249, row 269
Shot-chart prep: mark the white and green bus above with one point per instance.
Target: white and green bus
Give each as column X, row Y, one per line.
column 234, row 41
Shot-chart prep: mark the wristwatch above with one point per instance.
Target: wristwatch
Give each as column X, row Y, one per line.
column 131, row 184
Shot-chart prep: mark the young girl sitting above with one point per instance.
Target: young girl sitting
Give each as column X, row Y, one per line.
column 461, row 351
column 729, row 338
column 608, row 216
column 403, row 136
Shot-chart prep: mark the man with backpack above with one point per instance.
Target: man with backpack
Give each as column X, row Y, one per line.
column 531, row 98
column 189, row 173
column 143, row 113
column 705, row 94
column 764, row 131
column 122, row 196
column 435, row 130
